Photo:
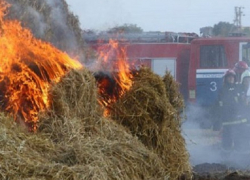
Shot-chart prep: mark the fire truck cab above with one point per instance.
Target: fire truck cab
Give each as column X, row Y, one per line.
column 209, row 59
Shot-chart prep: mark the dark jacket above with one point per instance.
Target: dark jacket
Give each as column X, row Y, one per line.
column 228, row 102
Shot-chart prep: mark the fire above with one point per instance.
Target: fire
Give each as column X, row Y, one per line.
column 117, row 78
column 27, row 68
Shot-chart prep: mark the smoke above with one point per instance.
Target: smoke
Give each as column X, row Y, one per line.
column 41, row 25
column 203, row 142
column 60, row 23
column 50, row 21
column 200, row 138
column 37, row 19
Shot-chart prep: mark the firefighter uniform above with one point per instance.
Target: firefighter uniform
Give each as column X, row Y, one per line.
column 232, row 124
column 244, row 110
column 243, row 94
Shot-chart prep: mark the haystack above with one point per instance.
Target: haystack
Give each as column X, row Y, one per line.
column 85, row 139
column 76, row 96
column 147, row 112
column 74, row 142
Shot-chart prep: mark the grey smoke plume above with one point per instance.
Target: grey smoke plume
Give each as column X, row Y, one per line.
column 50, row 21
column 60, row 23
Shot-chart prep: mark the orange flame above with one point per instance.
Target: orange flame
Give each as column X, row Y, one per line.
column 27, row 68
column 113, row 58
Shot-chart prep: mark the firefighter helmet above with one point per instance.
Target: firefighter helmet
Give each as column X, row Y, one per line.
column 230, row 72
column 245, row 74
column 240, row 66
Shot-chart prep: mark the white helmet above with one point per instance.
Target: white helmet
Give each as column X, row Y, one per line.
column 246, row 73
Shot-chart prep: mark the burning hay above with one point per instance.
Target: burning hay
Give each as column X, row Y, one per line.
column 147, row 112
column 74, row 142
column 101, row 146
column 27, row 68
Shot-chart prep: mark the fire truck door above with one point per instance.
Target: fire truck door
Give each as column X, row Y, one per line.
column 208, row 84
column 244, row 49
column 160, row 66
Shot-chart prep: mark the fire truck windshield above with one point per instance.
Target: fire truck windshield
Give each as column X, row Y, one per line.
column 212, row 56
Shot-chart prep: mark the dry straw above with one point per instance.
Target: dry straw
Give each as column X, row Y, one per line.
column 173, row 91
column 73, row 142
column 103, row 147
column 147, row 112
column 174, row 96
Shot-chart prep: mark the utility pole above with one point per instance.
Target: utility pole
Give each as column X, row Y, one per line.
column 238, row 14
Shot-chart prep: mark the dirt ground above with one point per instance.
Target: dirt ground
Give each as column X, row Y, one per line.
column 214, row 171
column 209, row 160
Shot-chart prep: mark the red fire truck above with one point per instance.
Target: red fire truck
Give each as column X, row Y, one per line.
column 197, row 63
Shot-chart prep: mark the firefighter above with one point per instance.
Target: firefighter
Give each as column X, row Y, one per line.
column 228, row 109
column 244, row 112
column 239, row 68
column 244, row 90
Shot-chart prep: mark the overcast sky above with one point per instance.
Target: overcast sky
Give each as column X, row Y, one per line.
column 158, row 15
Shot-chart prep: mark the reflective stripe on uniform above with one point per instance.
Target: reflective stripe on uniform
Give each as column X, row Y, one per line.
column 235, row 122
